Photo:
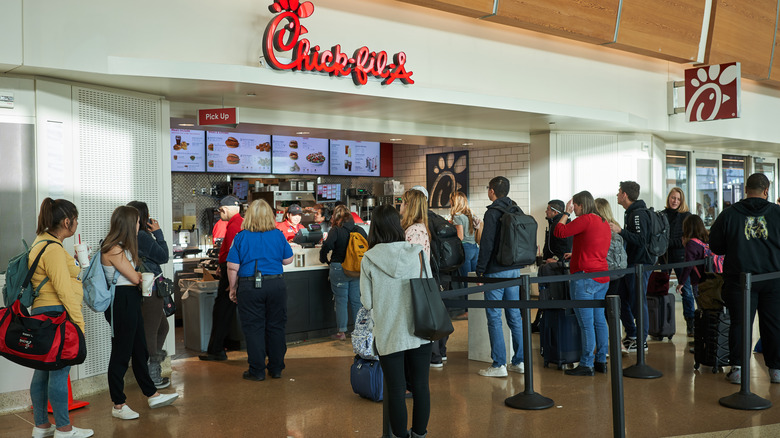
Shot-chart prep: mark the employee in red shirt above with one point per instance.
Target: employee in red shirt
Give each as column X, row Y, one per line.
column 592, row 235
column 224, row 309
column 291, row 224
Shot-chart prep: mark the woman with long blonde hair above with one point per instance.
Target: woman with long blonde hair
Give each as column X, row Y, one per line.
column 617, row 250
column 677, row 211
column 414, row 219
column 469, row 228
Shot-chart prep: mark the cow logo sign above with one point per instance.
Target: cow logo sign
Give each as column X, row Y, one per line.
column 712, row 92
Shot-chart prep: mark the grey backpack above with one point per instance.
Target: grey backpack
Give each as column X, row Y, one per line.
column 616, row 257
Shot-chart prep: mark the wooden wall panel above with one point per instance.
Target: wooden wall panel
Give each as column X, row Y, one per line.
column 469, row 8
column 743, row 30
column 775, row 72
column 667, row 29
column 589, row 21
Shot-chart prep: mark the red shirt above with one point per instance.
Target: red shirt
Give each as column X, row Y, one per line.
column 288, row 229
column 218, row 232
column 592, row 237
column 233, row 227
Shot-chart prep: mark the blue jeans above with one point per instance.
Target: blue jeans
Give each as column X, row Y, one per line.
column 470, row 263
column 345, row 290
column 51, row 386
column 628, row 306
column 513, row 320
column 593, row 323
column 687, row 295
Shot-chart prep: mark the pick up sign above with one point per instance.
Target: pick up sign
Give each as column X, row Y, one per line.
column 218, row 117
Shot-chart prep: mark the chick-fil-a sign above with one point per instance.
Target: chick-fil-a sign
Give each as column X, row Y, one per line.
column 283, row 34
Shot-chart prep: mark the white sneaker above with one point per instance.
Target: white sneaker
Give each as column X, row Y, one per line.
column 125, row 413
column 43, row 433
column 519, row 368
column 161, row 400
column 75, row 432
column 492, row 371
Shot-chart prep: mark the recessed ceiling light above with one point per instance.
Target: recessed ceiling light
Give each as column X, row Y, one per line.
column 396, row 139
column 186, row 124
column 302, row 132
column 468, row 144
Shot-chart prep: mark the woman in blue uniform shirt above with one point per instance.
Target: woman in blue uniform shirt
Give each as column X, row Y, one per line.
column 255, row 265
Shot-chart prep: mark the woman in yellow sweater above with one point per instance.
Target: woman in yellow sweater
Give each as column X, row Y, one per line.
column 57, row 221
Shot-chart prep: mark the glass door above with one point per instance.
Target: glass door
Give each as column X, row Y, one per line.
column 734, row 170
column 677, row 171
column 706, row 184
column 767, row 167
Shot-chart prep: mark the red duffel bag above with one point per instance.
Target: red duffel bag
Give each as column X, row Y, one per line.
column 43, row 342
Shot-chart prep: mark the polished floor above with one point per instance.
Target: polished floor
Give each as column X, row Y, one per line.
column 314, row 399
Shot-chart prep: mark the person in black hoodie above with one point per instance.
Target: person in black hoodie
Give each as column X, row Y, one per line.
column 498, row 189
column 636, row 236
column 749, row 236
column 555, row 247
column 677, row 211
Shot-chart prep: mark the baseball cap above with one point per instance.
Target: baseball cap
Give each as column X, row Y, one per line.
column 229, row 201
column 421, row 189
column 294, row 209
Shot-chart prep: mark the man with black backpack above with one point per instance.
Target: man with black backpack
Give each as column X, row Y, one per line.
column 493, row 263
column 636, row 235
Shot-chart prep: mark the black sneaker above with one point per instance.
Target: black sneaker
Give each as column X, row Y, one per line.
column 628, row 346
column 213, row 357
column 162, row 383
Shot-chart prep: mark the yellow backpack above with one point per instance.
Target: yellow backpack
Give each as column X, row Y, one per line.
column 356, row 247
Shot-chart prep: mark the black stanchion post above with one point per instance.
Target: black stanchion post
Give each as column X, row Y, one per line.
column 641, row 370
column 528, row 399
column 744, row 399
column 616, row 367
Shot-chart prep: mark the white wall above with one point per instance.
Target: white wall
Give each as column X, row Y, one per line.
column 11, row 41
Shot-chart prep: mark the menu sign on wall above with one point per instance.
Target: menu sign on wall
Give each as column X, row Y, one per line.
column 187, row 151
column 234, row 152
column 300, row 155
column 354, row 158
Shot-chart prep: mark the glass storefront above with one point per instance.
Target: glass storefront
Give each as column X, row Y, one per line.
column 677, row 171
column 734, row 169
column 707, row 190
column 767, row 167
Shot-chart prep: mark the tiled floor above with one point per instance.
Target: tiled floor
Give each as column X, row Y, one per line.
column 314, row 399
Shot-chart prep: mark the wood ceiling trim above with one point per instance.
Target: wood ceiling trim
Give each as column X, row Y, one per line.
column 589, row 21
column 744, row 30
column 666, row 29
column 468, row 8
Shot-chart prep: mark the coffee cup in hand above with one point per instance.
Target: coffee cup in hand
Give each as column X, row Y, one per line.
column 147, row 281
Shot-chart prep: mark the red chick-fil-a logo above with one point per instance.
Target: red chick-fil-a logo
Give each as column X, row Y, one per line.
column 283, row 34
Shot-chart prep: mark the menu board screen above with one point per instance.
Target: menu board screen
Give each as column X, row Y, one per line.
column 188, row 150
column 234, row 152
column 300, row 155
column 354, row 158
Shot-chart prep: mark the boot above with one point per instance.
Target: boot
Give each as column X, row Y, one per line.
column 689, row 326
column 414, row 435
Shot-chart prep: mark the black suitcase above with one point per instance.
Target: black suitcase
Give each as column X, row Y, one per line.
column 711, row 339
column 559, row 332
column 660, row 309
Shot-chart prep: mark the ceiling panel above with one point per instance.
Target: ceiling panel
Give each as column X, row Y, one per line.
column 469, row 8
column 744, row 31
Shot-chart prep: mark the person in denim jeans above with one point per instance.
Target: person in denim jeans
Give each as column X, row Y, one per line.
column 346, row 289
column 592, row 238
column 498, row 189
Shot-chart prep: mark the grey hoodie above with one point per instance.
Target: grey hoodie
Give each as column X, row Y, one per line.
column 384, row 289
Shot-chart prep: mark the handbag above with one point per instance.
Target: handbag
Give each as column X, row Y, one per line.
column 165, row 291
column 49, row 341
column 658, row 284
column 431, row 319
column 363, row 335
column 709, row 291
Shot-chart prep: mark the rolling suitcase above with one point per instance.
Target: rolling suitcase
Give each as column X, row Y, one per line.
column 660, row 310
column 559, row 332
column 366, row 378
column 711, row 339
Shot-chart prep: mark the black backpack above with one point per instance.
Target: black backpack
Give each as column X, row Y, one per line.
column 658, row 242
column 517, row 242
column 446, row 247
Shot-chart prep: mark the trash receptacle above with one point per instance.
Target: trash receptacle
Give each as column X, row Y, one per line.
column 198, row 303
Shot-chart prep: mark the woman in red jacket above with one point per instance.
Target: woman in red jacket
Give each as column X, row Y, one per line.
column 592, row 236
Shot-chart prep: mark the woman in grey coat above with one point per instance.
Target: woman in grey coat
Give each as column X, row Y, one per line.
column 385, row 271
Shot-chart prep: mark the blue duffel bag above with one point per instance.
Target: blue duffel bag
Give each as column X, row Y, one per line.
column 366, row 378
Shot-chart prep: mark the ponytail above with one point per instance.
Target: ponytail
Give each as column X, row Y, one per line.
column 53, row 212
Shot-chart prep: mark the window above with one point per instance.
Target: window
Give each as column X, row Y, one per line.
column 767, row 168
column 733, row 179
column 677, row 171
column 707, row 190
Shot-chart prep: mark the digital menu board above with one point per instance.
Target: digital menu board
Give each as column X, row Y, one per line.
column 354, row 158
column 300, row 155
column 234, row 152
column 188, row 151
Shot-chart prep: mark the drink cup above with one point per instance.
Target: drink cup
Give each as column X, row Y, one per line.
column 82, row 254
column 147, row 280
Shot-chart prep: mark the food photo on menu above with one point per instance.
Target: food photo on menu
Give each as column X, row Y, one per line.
column 300, row 155
column 354, row 158
column 187, row 150
column 236, row 152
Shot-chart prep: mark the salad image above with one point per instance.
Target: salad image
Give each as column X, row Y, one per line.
column 316, row 158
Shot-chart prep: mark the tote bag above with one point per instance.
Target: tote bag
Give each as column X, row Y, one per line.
column 431, row 319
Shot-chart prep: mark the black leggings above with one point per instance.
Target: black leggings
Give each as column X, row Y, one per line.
column 414, row 366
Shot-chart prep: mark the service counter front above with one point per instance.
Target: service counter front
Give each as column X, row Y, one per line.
column 310, row 312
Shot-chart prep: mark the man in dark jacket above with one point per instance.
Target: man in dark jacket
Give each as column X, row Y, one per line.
column 498, row 189
column 555, row 247
column 636, row 236
column 748, row 234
